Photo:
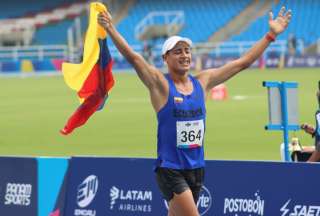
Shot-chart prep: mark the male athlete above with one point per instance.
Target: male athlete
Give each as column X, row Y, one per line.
column 179, row 101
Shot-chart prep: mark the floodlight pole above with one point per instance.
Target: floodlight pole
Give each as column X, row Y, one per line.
column 284, row 125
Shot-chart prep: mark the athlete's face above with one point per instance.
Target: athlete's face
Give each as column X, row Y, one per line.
column 179, row 58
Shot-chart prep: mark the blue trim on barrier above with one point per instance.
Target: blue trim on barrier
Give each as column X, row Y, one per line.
column 275, row 84
column 280, row 127
column 51, row 172
column 273, row 127
column 290, row 84
column 270, row 84
column 284, row 112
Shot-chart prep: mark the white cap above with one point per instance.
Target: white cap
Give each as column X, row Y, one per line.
column 172, row 41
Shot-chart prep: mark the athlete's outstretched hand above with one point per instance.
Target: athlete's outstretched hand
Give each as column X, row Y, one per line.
column 308, row 128
column 105, row 20
column 282, row 21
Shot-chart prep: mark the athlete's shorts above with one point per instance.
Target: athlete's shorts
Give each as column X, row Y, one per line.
column 177, row 181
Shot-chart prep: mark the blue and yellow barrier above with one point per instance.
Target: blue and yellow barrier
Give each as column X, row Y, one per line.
column 31, row 66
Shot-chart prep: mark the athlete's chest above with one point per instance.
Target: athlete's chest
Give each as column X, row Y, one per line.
column 191, row 106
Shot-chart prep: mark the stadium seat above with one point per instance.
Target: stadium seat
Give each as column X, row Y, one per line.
column 43, row 65
column 199, row 24
column 10, row 66
column 304, row 23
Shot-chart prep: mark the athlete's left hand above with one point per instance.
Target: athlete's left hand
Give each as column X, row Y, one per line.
column 308, row 128
column 279, row 24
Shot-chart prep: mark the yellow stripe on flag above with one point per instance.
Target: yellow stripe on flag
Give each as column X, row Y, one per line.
column 76, row 74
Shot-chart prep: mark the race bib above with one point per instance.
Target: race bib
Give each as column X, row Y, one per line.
column 190, row 134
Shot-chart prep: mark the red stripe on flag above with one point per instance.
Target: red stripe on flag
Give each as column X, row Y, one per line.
column 83, row 113
column 94, row 91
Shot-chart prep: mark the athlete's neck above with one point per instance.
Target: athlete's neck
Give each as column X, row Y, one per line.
column 179, row 78
column 182, row 83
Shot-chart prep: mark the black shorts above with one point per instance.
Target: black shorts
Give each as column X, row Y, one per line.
column 177, row 181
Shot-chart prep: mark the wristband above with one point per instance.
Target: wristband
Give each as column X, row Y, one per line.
column 270, row 37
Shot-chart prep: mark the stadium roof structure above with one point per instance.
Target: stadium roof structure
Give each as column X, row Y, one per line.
column 159, row 24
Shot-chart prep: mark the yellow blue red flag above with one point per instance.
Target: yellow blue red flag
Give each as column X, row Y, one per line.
column 92, row 79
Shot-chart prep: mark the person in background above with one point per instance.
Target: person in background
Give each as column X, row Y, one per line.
column 147, row 52
column 314, row 132
column 292, row 44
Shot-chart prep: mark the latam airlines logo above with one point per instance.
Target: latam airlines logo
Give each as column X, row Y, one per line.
column 114, row 195
column 204, row 202
column 130, row 200
column 289, row 209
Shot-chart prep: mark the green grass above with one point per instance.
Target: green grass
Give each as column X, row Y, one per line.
column 32, row 110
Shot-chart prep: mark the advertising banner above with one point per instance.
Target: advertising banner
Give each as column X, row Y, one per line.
column 263, row 188
column 52, row 182
column 303, row 61
column 112, row 186
column 270, row 61
column 120, row 186
column 18, row 186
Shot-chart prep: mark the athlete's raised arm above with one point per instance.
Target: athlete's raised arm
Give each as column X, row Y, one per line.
column 153, row 79
column 212, row 77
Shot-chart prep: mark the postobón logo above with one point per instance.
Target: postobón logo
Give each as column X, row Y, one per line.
column 204, row 202
column 18, row 194
column 114, row 195
column 237, row 206
column 87, row 191
column 299, row 209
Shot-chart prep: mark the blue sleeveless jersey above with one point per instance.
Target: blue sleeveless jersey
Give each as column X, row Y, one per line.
column 181, row 128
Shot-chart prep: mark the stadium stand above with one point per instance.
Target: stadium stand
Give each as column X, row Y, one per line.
column 206, row 19
column 17, row 8
column 305, row 24
column 242, row 20
column 39, row 19
column 43, row 27
column 35, row 33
